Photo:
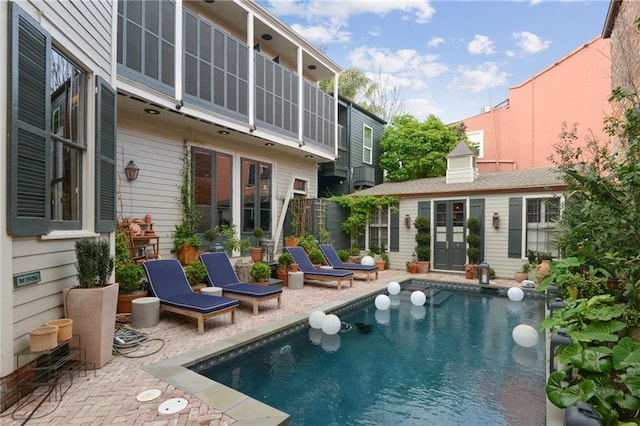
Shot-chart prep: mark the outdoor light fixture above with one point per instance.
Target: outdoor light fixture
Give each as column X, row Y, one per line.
column 496, row 220
column 131, row 170
column 560, row 338
column 483, row 273
column 407, row 221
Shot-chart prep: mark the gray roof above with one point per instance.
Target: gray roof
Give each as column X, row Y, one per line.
column 526, row 180
column 461, row 150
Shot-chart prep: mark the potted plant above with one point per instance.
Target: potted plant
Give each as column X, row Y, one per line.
column 423, row 240
column 523, row 273
column 196, row 273
column 315, row 256
column 92, row 304
column 473, row 242
column 412, row 265
column 257, row 251
column 343, row 255
column 185, row 239
column 210, row 235
column 260, row 273
column 128, row 274
column 285, row 263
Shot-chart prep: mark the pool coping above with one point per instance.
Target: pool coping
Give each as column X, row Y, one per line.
column 242, row 408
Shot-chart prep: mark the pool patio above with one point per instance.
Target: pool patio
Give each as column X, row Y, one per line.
column 110, row 396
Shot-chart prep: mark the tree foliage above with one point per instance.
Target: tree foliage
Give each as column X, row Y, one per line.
column 411, row 149
column 601, row 219
column 352, row 83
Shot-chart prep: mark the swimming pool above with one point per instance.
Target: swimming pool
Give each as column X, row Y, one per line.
column 452, row 361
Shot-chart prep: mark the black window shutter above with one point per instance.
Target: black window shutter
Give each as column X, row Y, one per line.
column 394, row 229
column 105, row 184
column 476, row 209
column 515, row 228
column 29, row 140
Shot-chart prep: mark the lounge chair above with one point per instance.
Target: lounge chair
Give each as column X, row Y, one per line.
column 311, row 273
column 169, row 283
column 332, row 258
column 221, row 274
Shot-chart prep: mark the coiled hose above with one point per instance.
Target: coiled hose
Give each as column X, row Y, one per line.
column 127, row 341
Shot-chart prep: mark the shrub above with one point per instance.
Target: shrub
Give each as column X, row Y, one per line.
column 343, row 254
column 196, row 272
column 128, row 278
column 260, row 272
column 315, row 256
column 94, row 262
column 285, row 260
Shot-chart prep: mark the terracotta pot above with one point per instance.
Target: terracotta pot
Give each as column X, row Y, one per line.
column 43, row 338
column 294, row 267
column 543, row 270
column 423, row 266
column 283, row 275
column 291, row 241
column 124, row 301
column 187, row 254
column 147, row 219
column 520, row 276
column 65, row 328
column 380, row 265
column 256, row 253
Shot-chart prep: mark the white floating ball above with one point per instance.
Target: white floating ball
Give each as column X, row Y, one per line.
column 331, row 324
column 525, row 335
column 330, row 343
column 382, row 302
column 393, row 288
column 418, row 298
column 383, row 317
column 316, row 318
column 516, row 294
column 315, row 335
column 367, row 260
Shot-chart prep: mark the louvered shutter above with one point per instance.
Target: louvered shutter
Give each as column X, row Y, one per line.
column 29, row 140
column 105, row 184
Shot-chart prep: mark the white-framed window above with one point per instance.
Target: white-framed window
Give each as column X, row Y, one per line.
column 367, row 144
column 477, row 139
column 379, row 229
column 541, row 217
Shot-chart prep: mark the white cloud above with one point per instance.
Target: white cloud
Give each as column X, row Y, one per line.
column 479, row 78
column 405, row 62
column 422, row 107
column 375, row 31
column 481, row 45
column 435, row 42
column 322, row 34
column 529, row 42
column 510, row 53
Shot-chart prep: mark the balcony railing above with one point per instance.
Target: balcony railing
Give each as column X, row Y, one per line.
column 216, row 72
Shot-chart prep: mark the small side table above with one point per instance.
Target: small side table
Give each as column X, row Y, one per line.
column 211, row 291
column 296, row 280
column 145, row 312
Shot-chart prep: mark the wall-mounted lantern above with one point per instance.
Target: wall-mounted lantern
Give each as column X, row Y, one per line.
column 496, row 220
column 407, row 221
column 132, row 171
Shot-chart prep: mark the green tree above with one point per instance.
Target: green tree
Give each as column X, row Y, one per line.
column 352, row 83
column 411, row 149
column 600, row 220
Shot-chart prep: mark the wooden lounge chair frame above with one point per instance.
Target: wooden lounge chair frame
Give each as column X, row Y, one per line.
column 317, row 274
column 200, row 316
column 345, row 266
column 227, row 271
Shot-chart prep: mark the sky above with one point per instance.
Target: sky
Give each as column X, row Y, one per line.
column 446, row 58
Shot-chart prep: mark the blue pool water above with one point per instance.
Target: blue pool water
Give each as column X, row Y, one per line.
column 450, row 362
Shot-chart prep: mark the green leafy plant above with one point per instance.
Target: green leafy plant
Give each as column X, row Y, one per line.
column 343, row 254
column 94, row 262
column 260, row 272
column 231, row 242
column 307, row 242
column 128, row 273
column 598, row 370
column 526, row 268
column 361, row 208
column 423, row 238
column 258, row 233
column 315, row 256
column 210, row 235
column 196, row 272
column 473, row 239
column 285, row 260
column 187, row 230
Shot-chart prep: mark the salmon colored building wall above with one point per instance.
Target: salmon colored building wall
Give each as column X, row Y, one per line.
column 521, row 133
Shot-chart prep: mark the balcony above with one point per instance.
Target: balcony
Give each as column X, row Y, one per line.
column 217, row 66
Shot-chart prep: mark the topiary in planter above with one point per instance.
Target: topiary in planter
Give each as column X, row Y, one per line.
column 260, row 272
column 473, row 240
column 195, row 272
column 315, row 256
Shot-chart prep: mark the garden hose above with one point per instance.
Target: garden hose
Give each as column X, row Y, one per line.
column 127, row 341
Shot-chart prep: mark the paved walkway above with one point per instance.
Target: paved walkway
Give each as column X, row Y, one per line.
column 110, row 396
